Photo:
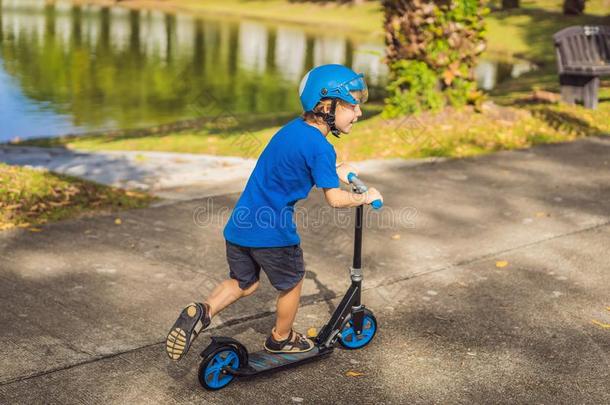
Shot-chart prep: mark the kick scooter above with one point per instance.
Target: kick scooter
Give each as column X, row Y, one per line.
column 352, row 325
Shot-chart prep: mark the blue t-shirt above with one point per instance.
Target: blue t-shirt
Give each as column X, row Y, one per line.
column 297, row 157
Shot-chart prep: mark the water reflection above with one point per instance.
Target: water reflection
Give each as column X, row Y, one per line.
column 290, row 53
column 114, row 67
column 489, row 73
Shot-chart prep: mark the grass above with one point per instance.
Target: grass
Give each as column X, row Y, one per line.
column 527, row 32
column 30, row 197
column 364, row 19
column 514, row 123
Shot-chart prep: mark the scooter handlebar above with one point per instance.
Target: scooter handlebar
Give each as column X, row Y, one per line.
column 361, row 188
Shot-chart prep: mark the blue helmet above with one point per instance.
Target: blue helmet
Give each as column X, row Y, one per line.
column 331, row 81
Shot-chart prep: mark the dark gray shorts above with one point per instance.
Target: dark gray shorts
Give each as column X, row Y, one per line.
column 284, row 266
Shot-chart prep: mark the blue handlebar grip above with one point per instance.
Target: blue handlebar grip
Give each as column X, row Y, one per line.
column 361, row 187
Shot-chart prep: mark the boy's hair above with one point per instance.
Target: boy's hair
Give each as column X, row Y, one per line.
column 311, row 116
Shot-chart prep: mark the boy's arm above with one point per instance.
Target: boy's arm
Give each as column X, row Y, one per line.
column 343, row 169
column 325, row 172
column 338, row 198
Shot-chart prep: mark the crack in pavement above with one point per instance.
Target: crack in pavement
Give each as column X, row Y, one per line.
column 486, row 256
column 311, row 300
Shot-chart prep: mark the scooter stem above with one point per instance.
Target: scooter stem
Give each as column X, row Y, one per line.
column 357, row 263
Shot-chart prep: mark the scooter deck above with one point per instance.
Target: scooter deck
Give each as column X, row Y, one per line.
column 263, row 361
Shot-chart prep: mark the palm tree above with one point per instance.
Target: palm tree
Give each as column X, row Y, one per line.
column 432, row 47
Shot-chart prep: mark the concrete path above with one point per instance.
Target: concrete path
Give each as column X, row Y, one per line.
column 171, row 176
column 489, row 278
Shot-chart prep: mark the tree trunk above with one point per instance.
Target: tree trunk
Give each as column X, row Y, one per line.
column 508, row 4
column 573, row 7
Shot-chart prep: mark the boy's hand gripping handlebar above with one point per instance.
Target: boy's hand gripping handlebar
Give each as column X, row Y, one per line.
column 361, row 188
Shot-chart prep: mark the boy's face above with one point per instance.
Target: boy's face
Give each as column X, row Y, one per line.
column 345, row 116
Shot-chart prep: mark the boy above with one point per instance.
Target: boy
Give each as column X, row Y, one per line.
column 261, row 232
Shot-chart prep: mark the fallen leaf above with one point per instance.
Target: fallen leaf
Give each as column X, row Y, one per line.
column 541, row 214
column 501, row 263
column 58, row 204
column 607, row 308
column 312, row 332
column 598, row 323
column 353, row 374
column 396, row 236
column 34, row 229
column 118, row 221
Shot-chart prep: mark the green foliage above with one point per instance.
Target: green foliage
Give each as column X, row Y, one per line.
column 461, row 92
column 445, row 36
column 414, row 89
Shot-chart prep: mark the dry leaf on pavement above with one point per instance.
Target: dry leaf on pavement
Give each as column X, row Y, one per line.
column 601, row 324
column 353, row 374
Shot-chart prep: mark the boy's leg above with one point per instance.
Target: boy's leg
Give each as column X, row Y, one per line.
column 287, row 307
column 227, row 293
column 283, row 338
column 285, row 268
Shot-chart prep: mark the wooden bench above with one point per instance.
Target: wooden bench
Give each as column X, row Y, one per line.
column 583, row 55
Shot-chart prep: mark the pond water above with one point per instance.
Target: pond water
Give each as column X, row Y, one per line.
column 72, row 69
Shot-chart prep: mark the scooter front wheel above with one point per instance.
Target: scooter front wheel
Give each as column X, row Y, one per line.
column 212, row 375
column 350, row 340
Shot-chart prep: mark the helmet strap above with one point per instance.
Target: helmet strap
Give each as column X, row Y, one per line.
column 329, row 118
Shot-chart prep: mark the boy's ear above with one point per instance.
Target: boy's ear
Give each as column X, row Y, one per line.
column 326, row 107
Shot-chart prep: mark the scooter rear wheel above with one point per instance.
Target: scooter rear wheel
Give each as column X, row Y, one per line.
column 350, row 340
column 211, row 373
